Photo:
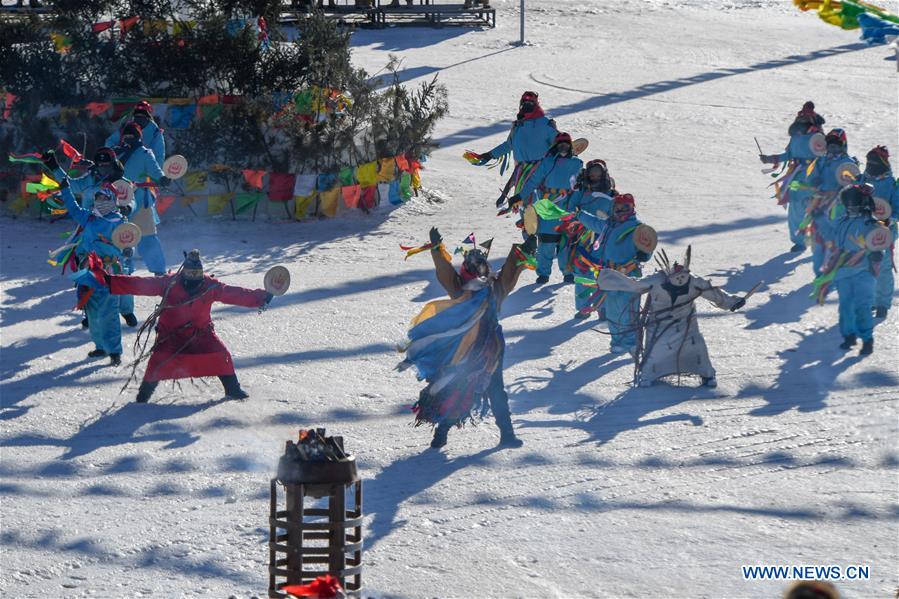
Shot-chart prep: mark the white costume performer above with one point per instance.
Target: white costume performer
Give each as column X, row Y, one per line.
column 668, row 339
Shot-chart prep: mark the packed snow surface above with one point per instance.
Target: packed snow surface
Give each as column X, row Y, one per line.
column 617, row 492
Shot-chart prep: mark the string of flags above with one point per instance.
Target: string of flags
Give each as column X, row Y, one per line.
column 63, row 43
column 309, row 104
column 387, row 180
column 877, row 24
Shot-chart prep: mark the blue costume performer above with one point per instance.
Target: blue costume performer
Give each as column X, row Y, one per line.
column 152, row 136
column 792, row 187
column 531, row 136
column 886, row 190
column 140, row 166
column 854, row 267
column 830, row 173
column 554, row 178
column 98, row 251
column 614, row 249
column 457, row 345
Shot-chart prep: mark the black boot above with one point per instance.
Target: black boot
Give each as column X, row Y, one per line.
column 848, row 341
column 542, row 280
column 146, row 390
column 130, row 319
column 84, row 323
column 880, row 312
column 797, row 247
column 232, row 387
column 440, row 433
column 867, row 348
column 569, row 278
column 96, row 353
column 507, row 438
column 115, row 359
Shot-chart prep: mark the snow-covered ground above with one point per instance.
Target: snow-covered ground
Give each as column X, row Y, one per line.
column 661, row 492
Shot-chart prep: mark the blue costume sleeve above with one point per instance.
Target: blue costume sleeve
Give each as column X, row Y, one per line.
column 78, row 214
column 785, row 155
column 505, row 147
column 594, row 223
column 151, row 166
column 595, row 201
column 157, row 144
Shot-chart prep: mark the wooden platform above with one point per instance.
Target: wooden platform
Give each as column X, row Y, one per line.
column 378, row 12
column 436, row 15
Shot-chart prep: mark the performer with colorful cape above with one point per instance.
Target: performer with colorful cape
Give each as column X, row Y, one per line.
column 457, row 345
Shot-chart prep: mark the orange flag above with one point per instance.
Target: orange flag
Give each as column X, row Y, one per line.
column 253, row 178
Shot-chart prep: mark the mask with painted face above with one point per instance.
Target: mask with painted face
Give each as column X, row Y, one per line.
column 475, row 265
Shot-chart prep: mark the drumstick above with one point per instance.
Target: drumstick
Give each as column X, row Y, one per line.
column 753, row 290
column 757, row 144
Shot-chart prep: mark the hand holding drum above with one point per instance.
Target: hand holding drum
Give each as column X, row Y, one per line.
column 277, row 280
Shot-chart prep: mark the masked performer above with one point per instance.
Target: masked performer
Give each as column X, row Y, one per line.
column 457, row 345
column 186, row 344
column 669, row 340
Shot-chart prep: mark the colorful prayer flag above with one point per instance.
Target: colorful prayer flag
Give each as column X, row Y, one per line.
column 163, row 203
column 280, row 186
column 301, row 205
column 195, row 181
column 217, row 203
column 351, row 195
column 253, row 177
column 245, row 201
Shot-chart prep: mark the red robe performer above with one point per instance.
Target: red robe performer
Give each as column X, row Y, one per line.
column 186, row 344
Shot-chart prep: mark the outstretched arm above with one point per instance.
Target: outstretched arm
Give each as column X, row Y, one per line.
column 612, row 280
column 717, row 296
column 78, row 214
column 592, row 222
column 128, row 285
column 514, row 264
column 446, row 274
column 239, row 296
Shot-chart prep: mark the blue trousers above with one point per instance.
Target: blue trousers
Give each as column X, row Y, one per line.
column 621, row 309
column 795, row 213
column 150, row 250
column 886, row 282
column 126, row 302
column 103, row 320
column 856, row 294
column 546, row 252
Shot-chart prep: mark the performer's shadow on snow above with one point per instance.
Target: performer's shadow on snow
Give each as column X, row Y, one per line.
column 406, row 478
column 809, row 374
column 627, row 411
column 69, row 374
column 560, row 394
column 123, row 426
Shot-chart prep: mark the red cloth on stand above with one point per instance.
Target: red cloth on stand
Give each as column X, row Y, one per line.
column 186, row 343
